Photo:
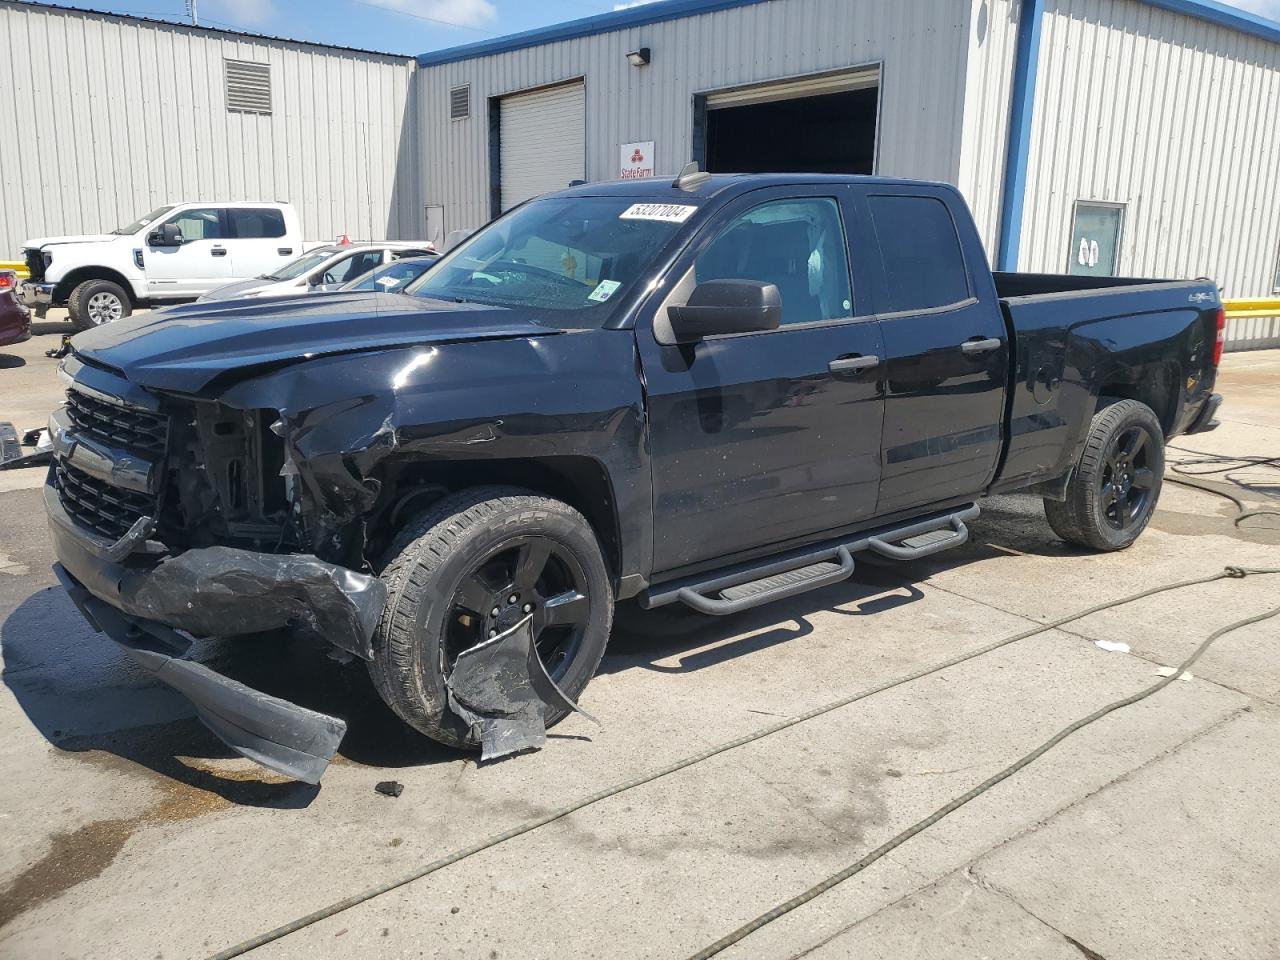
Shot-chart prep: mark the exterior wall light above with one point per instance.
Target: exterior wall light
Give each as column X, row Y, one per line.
column 639, row 58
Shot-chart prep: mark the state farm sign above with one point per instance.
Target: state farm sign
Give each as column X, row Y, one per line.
column 637, row 160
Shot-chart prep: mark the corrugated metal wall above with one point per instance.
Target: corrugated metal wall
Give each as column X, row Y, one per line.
column 1174, row 117
column 923, row 45
column 988, row 86
column 108, row 117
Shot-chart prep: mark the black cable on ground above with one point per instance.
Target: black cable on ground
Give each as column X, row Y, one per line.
column 529, row 825
column 1244, row 511
column 818, row 889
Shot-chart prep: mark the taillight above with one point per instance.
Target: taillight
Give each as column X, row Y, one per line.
column 1222, row 336
column 6, row 280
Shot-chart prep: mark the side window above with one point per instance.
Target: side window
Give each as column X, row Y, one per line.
column 923, row 262
column 354, row 266
column 199, row 224
column 256, row 224
column 797, row 245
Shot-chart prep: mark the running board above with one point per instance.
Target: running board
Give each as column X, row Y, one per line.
column 754, row 585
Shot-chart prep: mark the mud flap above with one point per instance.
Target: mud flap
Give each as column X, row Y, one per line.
column 501, row 689
column 279, row 735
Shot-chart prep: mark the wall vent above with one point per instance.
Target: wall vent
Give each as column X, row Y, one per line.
column 248, row 86
column 460, row 102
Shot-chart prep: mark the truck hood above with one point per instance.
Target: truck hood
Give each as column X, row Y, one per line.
column 184, row 348
column 41, row 242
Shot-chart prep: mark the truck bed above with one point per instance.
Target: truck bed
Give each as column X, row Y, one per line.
column 1076, row 339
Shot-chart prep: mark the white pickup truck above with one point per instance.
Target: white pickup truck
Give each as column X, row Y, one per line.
column 176, row 252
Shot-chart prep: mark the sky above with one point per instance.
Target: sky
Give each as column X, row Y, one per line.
column 402, row 26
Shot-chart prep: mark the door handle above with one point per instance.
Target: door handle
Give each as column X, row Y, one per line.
column 284, row 251
column 218, row 252
column 852, row 364
column 981, row 345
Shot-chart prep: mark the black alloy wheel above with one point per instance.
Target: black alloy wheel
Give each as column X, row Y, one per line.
column 529, row 576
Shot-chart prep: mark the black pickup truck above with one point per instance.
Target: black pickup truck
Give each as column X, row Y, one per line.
column 714, row 392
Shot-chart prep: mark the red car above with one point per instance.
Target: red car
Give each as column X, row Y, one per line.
column 15, row 320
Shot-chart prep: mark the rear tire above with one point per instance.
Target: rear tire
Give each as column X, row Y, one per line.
column 1117, row 482
column 465, row 558
column 96, row 302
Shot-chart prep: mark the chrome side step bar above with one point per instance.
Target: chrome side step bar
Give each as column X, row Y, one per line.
column 753, row 585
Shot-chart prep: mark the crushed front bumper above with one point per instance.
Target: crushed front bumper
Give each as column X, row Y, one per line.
column 142, row 605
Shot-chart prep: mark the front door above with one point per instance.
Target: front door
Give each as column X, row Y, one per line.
column 947, row 355
column 764, row 438
column 200, row 263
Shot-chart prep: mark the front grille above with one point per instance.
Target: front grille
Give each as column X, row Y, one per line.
column 138, row 431
column 35, row 264
column 105, row 509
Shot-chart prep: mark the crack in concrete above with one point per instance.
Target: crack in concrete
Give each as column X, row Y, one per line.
column 969, row 871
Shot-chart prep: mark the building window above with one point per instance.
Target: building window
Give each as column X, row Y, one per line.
column 248, row 86
column 460, row 102
column 1095, row 239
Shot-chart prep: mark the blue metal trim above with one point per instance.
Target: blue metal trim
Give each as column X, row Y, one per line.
column 1233, row 18
column 1018, row 152
column 641, row 16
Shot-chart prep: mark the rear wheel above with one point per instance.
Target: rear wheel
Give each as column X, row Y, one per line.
column 472, row 568
column 1117, row 483
column 96, row 302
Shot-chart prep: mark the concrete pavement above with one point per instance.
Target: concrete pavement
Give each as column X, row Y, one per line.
column 131, row 832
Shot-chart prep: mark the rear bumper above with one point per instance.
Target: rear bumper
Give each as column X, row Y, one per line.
column 1204, row 419
column 15, row 321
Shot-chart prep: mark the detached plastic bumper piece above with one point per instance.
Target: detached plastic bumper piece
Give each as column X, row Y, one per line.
column 279, row 735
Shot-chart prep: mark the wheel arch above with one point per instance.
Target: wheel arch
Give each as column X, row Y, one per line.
column 80, row 274
column 582, row 482
column 1155, row 384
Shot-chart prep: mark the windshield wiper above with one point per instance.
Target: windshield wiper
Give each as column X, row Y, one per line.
column 270, row 276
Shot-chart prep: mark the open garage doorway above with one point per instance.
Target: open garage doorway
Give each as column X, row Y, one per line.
column 820, row 124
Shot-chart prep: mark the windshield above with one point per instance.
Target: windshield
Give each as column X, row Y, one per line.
column 303, row 264
column 137, row 225
column 391, row 277
column 578, row 255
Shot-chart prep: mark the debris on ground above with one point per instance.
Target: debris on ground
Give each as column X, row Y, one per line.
column 390, row 788
column 1112, row 646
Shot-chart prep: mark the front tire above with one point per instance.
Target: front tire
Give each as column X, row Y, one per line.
column 467, row 558
column 1117, row 483
column 96, row 302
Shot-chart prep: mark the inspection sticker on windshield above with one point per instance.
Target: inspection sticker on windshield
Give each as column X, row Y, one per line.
column 666, row 212
column 604, row 290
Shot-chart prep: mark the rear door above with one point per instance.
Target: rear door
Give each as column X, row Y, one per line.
column 946, row 350
column 258, row 241
column 201, row 263
column 761, row 439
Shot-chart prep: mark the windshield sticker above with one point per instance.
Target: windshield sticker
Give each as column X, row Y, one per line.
column 604, row 290
column 665, row 212
column 388, row 281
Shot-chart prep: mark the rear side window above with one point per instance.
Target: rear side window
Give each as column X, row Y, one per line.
column 252, row 224
column 923, row 263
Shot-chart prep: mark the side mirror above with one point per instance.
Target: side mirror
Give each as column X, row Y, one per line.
column 718, row 307
column 165, row 235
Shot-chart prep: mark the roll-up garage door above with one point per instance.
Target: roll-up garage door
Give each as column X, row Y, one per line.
column 542, row 141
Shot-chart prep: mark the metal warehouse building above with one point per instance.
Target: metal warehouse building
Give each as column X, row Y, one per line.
column 1137, row 137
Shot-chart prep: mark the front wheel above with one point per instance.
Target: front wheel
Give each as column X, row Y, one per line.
column 473, row 567
column 96, row 302
column 1117, row 483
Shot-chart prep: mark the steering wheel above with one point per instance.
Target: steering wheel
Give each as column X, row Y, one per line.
column 328, row 278
column 510, row 266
